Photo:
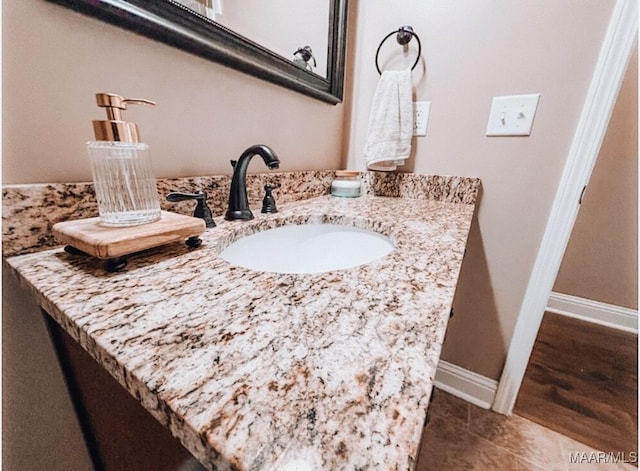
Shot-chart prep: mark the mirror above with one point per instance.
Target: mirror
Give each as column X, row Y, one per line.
column 193, row 30
column 275, row 25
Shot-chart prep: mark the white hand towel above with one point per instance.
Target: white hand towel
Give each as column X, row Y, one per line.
column 388, row 141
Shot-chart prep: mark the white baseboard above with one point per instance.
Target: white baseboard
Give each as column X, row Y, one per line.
column 481, row 391
column 465, row 384
column 594, row 311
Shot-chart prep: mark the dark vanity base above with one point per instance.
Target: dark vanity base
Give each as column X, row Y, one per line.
column 119, row 433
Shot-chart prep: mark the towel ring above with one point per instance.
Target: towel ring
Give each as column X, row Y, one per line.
column 403, row 36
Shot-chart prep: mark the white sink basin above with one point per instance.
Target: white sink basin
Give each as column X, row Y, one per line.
column 307, row 248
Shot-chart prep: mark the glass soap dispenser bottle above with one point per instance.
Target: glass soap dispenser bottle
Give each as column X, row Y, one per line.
column 124, row 182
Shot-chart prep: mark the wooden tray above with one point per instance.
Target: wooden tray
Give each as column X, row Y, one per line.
column 108, row 242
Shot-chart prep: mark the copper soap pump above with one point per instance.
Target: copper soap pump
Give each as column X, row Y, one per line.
column 114, row 128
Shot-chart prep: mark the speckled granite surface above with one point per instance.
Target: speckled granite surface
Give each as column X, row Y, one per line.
column 264, row 371
column 30, row 211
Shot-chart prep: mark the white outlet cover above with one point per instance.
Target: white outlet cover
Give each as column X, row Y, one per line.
column 421, row 110
column 512, row 115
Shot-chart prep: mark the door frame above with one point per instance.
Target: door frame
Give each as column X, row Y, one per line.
column 609, row 72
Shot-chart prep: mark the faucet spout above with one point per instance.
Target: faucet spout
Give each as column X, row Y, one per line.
column 238, row 201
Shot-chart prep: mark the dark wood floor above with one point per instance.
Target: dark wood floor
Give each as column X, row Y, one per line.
column 582, row 381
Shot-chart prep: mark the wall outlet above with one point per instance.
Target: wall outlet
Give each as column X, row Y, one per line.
column 421, row 111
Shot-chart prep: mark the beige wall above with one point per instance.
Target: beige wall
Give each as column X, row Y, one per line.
column 39, row 426
column 473, row 51
column 207, row 114
column 601, row 260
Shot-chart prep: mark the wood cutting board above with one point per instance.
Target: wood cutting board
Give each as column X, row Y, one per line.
column 106, row 242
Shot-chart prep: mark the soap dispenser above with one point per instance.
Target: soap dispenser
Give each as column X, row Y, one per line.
column 124, row 182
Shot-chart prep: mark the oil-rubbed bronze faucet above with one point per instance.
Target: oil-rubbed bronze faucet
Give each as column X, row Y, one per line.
column 238, row 201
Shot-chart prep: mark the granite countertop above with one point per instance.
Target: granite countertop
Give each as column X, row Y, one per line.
column 262, row 371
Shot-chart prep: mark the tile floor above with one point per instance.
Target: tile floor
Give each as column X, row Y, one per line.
column 461, row 436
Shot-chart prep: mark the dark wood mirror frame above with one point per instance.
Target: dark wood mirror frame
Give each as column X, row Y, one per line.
column 173, row 24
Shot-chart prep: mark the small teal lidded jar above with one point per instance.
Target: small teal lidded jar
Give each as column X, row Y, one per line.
column 346, row 184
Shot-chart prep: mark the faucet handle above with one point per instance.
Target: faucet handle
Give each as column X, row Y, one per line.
column 269, row 202
column 202, row 211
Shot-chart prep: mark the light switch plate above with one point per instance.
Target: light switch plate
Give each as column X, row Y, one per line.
column 512, row 115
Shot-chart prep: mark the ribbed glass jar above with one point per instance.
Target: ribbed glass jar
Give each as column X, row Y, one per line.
column 124, row 183
column 346, row 184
